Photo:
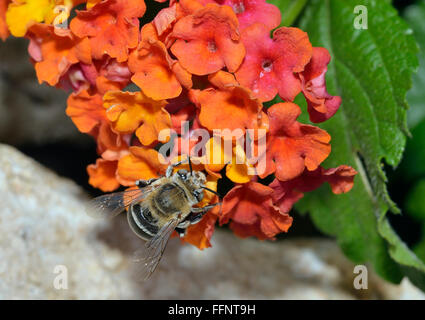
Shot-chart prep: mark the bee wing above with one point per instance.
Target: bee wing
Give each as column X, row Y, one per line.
column 110, row 205
column 151, row 254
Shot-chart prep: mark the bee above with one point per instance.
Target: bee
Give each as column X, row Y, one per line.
column 156, row 209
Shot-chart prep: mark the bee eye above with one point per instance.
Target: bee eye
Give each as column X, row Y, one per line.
column 199, row 194
column 182, row 173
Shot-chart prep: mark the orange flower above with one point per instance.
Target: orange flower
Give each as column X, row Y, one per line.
column 270, row 64
column 4, row 30
column 133, row 111
column 211, row 35
column 252, row 213
column 231, row 108
column 54, row 54
column 292, row 146
column 200, row 234
column 151, row 65
column 112, row 27
column 165, row 18
column 111, row 145
column 142, row 163
column 92, row 3
column 85, row 110
column 102, row 175
column 215, row 158
column 239, row 169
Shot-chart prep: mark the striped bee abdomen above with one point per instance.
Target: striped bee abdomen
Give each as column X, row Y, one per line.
column 141, row 221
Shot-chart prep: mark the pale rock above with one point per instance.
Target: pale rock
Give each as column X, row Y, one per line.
column 43, row 225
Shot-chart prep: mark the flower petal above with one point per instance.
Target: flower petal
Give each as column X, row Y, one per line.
column 54, row 54
column 321, row 105
column 142, row 163
column 200, row 234
column 85, row 110
column 22, row 14
column 286, row 193
column 211, row 35
column 292, row 146
column 251, row 210
column 133, row 111
column 151, row 66
column 112, row 27
column 232, row 108
column 252, row 11
column 4, row 30
column 102, row 175
column 269, row 68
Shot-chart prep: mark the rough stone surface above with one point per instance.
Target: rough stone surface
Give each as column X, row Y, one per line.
column 43, row 224
column 30, row 112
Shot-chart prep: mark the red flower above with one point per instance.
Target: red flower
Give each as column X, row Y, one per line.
column 321, row 105
column 251, row 210
column 270, row 68
column 286, row 193
column 292, row 146
column 252, row 11
column 211, row 35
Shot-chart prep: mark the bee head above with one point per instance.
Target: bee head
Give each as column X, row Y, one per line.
column 199, row 178
column 194, row 181
column 195, row 178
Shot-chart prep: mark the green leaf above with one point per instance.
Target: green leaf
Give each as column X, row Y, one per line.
column 415, row 16
column 290, row 9
column 414, row 160
column 371, row 70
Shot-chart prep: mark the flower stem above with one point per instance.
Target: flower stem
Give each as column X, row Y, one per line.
column 292, row 12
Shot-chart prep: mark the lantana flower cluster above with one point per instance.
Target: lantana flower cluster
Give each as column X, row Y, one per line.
column 211, row 63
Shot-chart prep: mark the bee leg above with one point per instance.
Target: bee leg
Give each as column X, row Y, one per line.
column 181, row 231
column 171, row 167
column 145, row 183
column 183, row 225
column 199, row 213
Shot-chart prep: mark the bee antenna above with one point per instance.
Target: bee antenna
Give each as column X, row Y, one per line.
column 212, row 191
column 190, row 164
